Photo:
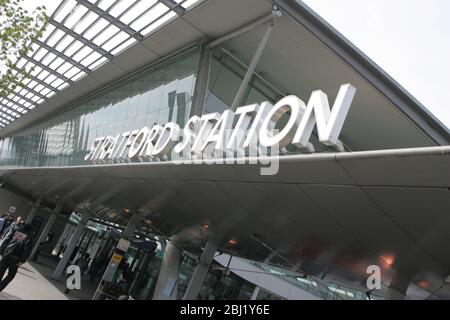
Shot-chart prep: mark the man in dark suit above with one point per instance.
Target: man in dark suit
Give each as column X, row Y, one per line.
column 15, row 249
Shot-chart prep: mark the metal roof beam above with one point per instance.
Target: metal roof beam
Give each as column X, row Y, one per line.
column 21, row 97
column 8, row 114
column 49, row 70
column 83, row 40
column 4, row 119
column 41, row 82
column 12, row 110
column 172, row 5
column 62, row 55
column 27, row 99
column 111, row 19
column 15, row 103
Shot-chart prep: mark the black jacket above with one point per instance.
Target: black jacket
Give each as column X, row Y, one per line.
column 12, row 227
column 19, row 249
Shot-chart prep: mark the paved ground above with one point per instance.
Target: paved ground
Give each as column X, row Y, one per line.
column 33, row 282
column 29, row 284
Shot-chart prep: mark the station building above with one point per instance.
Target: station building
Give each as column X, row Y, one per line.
column 108, row 150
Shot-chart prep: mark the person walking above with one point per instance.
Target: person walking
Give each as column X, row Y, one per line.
column 5, row 222
column 15, row 226
column 15, row 249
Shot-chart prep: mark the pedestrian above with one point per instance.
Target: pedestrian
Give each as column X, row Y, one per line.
column 3, row 220
column 15, row 249
column 7, row 221
column 15, row 226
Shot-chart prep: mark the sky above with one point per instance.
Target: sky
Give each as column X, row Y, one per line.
column 409, row 39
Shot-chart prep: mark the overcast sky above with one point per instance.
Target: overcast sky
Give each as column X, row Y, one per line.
column 409, row 39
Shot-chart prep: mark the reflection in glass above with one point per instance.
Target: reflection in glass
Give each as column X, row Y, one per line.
column 226, row 74
column 156, row 96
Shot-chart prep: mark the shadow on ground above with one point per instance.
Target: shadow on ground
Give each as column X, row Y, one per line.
column 34, row 281
column 46, row 265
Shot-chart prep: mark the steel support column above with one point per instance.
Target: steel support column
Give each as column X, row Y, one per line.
column 71, row 245
column 33, row 211
column 200, row 272
column 251, row 68
column 201, row 82
column 44, row 233
column 167, row 283
column 52, row 219
column 248, row 27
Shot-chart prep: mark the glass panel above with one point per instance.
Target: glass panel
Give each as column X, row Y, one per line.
column 158, row 95
column 226, row 75
column 224, row 81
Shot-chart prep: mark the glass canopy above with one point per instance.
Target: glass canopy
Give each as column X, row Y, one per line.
column 80, row 36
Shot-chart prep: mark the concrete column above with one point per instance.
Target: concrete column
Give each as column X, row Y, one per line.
column 398, row 287
column 44, row 233
column 119, row 253
column 71, row 245
column 62, row 239
column 33, row 212
column 200, row 272
column 166, row 286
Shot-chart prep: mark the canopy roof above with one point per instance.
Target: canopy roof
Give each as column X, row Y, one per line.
column 303, row 54
column 80, row 36
column 331, row 215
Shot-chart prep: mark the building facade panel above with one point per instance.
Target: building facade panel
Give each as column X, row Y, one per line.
column 160, row 95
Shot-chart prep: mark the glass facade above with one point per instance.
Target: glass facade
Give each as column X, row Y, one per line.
column 225, row 77
column 99, row 241
column 159, row 95
column 217, row 285
column 326, row 291
column 162, row 93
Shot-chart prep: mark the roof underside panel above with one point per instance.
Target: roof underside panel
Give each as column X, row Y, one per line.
column 333, row 211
